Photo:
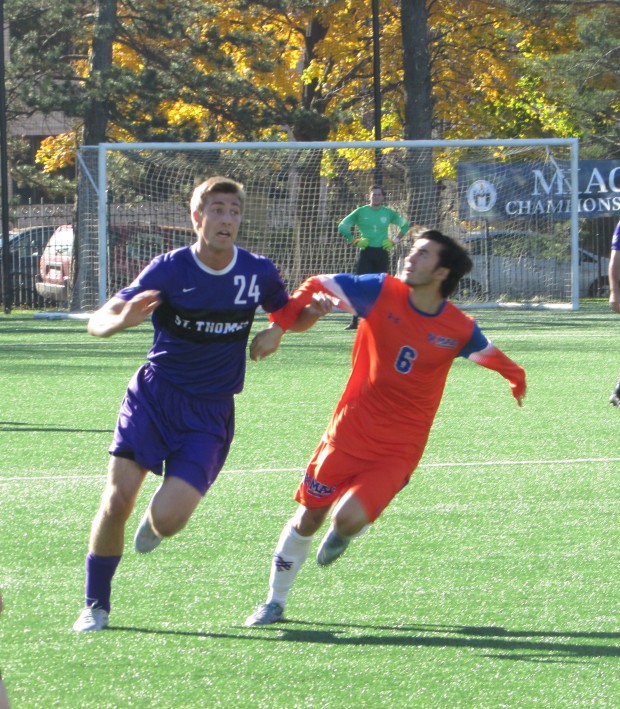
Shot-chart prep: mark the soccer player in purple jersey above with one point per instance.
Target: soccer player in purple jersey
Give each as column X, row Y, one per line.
column 614, row 293
column 178, row 412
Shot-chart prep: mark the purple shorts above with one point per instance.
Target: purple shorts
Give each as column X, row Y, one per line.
column 158, row 423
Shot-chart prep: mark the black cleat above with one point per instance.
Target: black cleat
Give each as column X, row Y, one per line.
column 614, row 399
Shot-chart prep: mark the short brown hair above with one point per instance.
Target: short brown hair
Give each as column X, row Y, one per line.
column 214, row 185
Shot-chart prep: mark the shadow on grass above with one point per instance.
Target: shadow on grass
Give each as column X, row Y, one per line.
column 517, row 645
column 17, row 426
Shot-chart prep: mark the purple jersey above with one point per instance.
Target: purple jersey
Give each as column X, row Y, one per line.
column 615, row 240
column 204, row 321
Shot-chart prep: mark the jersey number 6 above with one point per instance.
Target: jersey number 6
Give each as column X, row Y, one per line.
column 404, row 361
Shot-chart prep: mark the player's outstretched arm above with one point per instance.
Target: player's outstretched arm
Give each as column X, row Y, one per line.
column 267, row 341
column 322, row 303
column 492, row 357
column 118, row 314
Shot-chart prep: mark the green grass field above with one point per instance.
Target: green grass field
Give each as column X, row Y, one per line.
column 491, row 581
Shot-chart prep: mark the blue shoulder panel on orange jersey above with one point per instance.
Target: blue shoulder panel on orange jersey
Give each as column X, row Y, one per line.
column 358, row 292
column 477, row 342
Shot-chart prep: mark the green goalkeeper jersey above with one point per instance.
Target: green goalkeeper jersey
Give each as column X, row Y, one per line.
column 372, row 223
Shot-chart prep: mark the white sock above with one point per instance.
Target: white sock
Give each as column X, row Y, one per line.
column 288, row 557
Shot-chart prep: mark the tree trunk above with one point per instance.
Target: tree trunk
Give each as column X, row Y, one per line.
column 95, row 127
column 104, row 32
column 422, row 191
column 310, row 124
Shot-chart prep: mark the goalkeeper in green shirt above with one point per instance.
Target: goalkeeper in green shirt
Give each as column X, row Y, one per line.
column 372, row 221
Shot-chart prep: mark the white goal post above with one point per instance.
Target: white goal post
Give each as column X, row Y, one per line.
column 513, row 203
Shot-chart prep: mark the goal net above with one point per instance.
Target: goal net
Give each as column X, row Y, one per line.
column 512, row 203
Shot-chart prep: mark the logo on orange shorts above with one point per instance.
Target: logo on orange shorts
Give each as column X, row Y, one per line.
column 317, row 489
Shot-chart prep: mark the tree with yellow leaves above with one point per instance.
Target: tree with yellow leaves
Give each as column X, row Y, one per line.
column 292, row 70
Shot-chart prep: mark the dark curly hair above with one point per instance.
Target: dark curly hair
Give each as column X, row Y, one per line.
column 453, row 256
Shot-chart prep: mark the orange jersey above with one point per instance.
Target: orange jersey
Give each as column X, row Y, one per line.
column 400, row 362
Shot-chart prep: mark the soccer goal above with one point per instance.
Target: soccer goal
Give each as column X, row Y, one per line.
column 513, row 203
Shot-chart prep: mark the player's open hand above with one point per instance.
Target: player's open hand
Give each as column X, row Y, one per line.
column 140, row 307
column 518, row 391
column 266, row 342
column 321, row 304
column 118, row 314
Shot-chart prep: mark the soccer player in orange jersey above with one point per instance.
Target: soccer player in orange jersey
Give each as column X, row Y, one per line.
column 409, row 335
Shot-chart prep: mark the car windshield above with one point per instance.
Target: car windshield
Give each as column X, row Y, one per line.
column 12, row 236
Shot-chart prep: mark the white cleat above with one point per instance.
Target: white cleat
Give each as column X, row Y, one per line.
column 146, row 538
column 91, row 618
column 266, row 615
column 332, row 546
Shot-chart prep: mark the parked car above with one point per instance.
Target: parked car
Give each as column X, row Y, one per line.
column 25, row 247
column 133, row 246
column 518, row 265
column 130, row 248
column 56, row 266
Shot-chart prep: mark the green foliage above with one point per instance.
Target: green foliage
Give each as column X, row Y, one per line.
column 586, row 80
column 273, row 70
column 56, row 185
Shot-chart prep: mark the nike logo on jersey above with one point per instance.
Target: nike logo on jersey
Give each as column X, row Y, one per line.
column 187, row 290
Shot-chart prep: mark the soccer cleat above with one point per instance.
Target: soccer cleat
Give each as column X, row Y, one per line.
column 266, row 614
column 614, row 399
column 332, row 546
column 91, row 618
column 146, row 538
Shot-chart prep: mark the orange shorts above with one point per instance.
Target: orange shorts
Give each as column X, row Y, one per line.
column 331, row 473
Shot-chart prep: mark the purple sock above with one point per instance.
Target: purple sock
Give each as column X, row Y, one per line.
column 99, row 573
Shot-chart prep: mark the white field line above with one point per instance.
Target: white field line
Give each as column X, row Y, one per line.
column 253, row 471
column 514, row 335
